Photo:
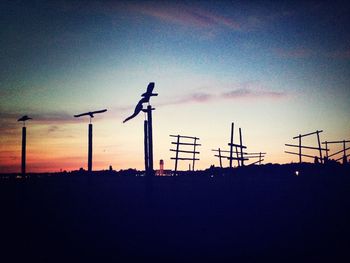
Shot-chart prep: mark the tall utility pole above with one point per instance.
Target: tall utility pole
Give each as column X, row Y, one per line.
column 91, row 114
column 24, row 143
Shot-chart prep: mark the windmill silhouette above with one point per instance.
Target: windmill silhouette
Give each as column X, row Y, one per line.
column 148, row 137
column 24, row 142
column 91, row 114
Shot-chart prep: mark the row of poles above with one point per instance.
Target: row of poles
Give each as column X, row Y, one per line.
column 148, row 136
column 187, row 147
column 235, row 148
column 320, row 158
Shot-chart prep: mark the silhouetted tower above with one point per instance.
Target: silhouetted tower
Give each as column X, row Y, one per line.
column 24, row 142
column 91, row 114
column 161, row 168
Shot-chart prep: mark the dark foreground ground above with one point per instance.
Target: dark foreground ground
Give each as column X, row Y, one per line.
column 242, row 218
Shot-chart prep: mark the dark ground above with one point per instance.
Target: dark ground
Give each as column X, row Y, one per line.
column 248, row 217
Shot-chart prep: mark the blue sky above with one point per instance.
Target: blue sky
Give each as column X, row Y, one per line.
column 276, row 70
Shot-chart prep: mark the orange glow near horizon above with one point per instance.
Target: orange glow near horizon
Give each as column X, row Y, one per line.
column 48, row 152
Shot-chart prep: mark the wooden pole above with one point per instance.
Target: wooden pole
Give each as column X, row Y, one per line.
column 327, row 149
column 344, row 156
column 150, row 140
column 231, row 146
column 90, row 149
column 24, row 140
column 145, row 128
column 237, row 155
column 194, row 153
column 220, row 158
column 299, row 148
column 177, row 154
column 260, row 158
column 319, row 145
column 240, row 142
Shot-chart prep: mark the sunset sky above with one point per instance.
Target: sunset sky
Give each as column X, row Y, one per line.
column 275, row 70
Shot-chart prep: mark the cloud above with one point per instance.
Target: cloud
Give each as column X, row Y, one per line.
column 249, row 93
column 187, row 16
column 246, row 90
column 339, row 54
column 197, row 97
column 306, row 53
column 293, row 53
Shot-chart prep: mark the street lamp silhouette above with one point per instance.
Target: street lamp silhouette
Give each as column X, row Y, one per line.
column 148, row 137
column 24, row 142
column 91, row 114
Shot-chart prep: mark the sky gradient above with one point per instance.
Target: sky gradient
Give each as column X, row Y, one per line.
column 275, row 70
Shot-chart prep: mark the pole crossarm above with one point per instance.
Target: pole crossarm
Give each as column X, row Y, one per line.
column 186, row 137
column 223, row 151
column 306, row 147
column 327, row 142
column 236, row 158
column 254, row 156
column 305, row 155
column 233, row 158
column 339, row 152
column 186, row 143
column 184, row 159
column 183, row 151
column 237, row 145
column 340, row 158
column 193, row 150
column 258, row 161
column 308, row 134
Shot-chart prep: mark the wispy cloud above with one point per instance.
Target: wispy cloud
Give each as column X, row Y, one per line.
column 187, row 16
column 245, row 90
column 249, row 93
column 306, row 53
column 340, row 54
column 293, row 53
column 197, row 97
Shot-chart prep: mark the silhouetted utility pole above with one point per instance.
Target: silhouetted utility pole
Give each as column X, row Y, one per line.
column 150, row 140
column 90, row 148
column 258, row 155
column 145, row 132
column 307, row 147
column 220, row 156
column 240, row 142
column 24, row 143
column 91, row 114
column 231, row 144
column 344, row 156
column 177, row 150
column 239, row 148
